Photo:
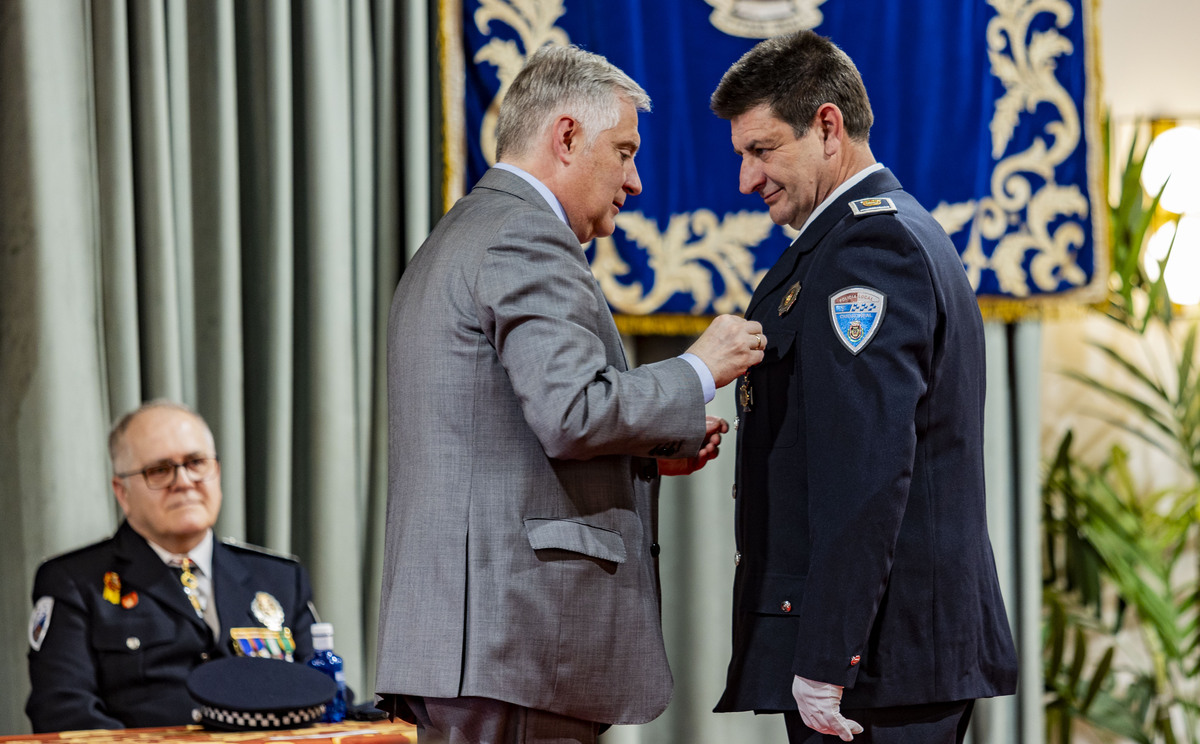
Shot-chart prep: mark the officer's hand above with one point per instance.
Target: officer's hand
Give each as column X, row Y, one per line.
column 714, row 426
column 819, row 704
column 730, row 346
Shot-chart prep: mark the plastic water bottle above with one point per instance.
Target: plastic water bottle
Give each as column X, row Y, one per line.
column 324, row 660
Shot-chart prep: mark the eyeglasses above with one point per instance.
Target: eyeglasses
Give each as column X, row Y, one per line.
column 162, row 474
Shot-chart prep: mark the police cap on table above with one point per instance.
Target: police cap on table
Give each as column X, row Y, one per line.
column 245, row 693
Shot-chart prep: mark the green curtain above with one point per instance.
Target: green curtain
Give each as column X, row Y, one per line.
column 200, row 200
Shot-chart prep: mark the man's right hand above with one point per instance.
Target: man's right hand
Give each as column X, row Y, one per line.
column 730, row 346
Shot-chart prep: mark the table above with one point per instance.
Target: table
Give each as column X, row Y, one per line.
column 348, row 732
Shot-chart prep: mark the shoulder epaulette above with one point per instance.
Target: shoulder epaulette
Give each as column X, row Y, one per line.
column 874, row 205
column 249, row 548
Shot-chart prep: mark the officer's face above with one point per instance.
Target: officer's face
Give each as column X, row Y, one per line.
column 175, row 517
column 792, row 175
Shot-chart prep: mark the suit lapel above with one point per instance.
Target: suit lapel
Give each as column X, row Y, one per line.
column 877, row 183
column 142, row 568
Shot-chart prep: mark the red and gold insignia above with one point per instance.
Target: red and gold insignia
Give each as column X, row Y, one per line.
column 112, row 587
column 129, row 601
column 855, row 659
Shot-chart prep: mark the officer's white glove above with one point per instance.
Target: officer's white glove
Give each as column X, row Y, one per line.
column 819, row 704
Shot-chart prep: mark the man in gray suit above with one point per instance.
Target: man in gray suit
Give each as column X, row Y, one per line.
column 520, row 591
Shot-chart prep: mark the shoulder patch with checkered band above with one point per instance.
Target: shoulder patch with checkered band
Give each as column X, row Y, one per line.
column 856, row 314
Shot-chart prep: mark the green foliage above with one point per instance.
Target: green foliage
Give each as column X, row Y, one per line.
column 1121, row 629
column 1112, row 556
column 1133, row 300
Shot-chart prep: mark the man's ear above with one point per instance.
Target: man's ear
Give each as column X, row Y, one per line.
column 830, row 126
column 567, row 135
column 118, row 487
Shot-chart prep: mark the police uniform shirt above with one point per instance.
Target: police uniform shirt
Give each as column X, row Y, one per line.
column 201, row 557
column 113, row 637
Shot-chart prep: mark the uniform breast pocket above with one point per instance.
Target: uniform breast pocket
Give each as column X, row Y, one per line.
column 773, row 419
column 121, row 650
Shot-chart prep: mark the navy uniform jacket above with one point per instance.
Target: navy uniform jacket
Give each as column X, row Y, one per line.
column 104, row 665
column 864, row 559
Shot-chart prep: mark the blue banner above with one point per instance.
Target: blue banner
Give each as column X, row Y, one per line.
column 985, row 111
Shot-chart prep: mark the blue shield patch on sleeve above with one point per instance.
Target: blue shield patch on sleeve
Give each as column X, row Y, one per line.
column 856, row 314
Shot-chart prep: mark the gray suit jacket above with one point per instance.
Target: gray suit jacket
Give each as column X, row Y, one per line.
column 519, row 561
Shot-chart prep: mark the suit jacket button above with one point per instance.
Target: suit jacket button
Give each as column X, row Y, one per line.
column 786, row 606
column 647, row 470
column 133, row 643
column 655, row 550
column 203, row 656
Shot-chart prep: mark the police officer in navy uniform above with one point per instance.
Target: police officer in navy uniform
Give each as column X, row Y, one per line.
column 866, row 602
column 116, row 629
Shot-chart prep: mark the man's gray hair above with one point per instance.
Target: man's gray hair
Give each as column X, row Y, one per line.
column 559, row 80
column 116, row 435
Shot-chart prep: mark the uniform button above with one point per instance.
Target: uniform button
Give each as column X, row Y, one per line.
column 786, row 606
column 737, row 558
column 203, row 656
column 734, row 492
column 655, row 550
column 737, row 421
column 133, row 643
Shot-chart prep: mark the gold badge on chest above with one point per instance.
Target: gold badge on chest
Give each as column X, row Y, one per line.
column 267, row 610
column 789, row 299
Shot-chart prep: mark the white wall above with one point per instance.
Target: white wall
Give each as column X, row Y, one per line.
column 1150, row 57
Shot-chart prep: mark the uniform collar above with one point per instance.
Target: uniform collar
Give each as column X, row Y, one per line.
column 843, row 188
column 201, row 555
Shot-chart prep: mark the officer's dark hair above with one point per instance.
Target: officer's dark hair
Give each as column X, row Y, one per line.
column 116, row 435
column 795, row 75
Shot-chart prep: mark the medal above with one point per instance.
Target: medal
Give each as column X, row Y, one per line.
column 745, row 393
column 112, row 587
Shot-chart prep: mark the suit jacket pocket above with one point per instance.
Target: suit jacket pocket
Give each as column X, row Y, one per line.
column 575, row 536
column 773, row 419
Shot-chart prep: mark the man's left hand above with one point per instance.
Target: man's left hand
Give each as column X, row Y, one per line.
column 820, row 705
column 714, row 426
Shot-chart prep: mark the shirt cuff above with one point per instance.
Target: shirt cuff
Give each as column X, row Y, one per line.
column 706, row 379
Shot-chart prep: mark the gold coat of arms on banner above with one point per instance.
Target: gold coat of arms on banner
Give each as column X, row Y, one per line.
column 762, row 19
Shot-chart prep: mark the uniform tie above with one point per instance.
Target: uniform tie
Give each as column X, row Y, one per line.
column 191, row 585
column 198, row 592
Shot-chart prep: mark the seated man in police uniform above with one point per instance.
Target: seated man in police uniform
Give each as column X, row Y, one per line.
column 117, row 626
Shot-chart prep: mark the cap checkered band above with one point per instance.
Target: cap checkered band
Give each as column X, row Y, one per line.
column 260, row 720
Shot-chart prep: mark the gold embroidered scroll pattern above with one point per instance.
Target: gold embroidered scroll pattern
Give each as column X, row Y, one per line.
column 1025, row 62
column 533, row 20
column 695, row 248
